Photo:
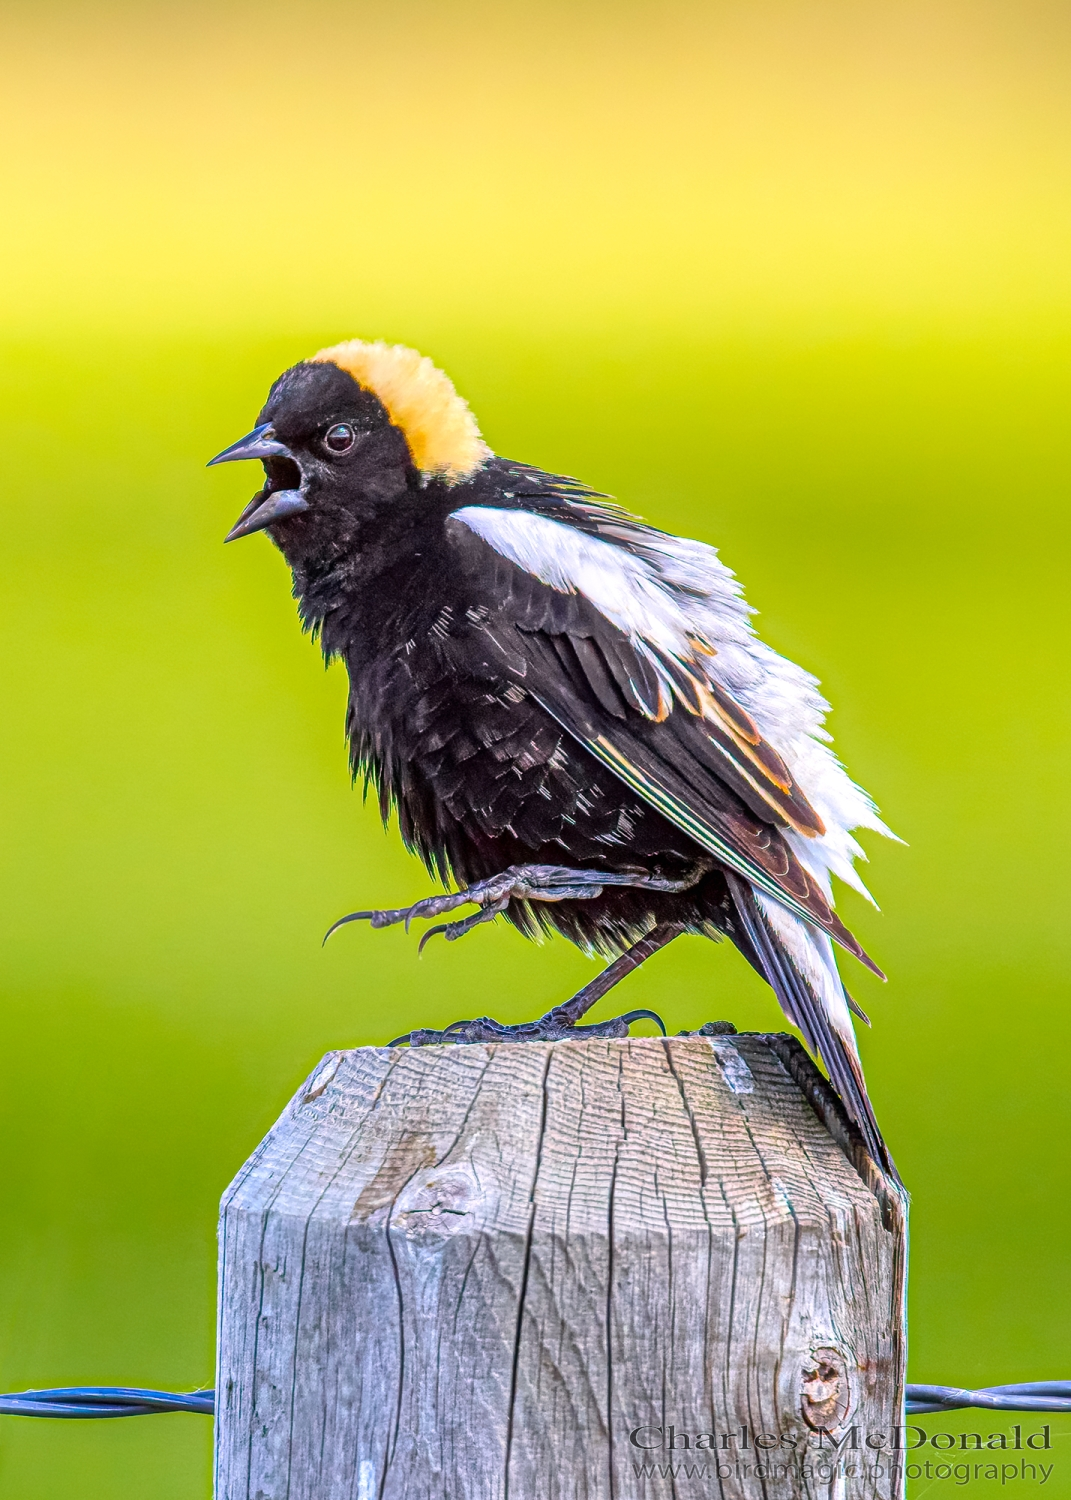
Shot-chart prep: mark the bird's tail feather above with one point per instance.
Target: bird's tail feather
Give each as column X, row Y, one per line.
column 793, row 958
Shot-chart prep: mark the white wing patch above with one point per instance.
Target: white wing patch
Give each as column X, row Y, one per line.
column 622, row 587
column 667, row 593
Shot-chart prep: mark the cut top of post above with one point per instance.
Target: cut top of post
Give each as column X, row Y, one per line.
column 500, row 1125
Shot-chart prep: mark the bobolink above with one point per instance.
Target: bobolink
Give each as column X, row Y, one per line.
column 569, row 709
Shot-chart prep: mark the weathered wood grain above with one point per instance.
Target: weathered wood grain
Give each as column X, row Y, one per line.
column 494, row 1272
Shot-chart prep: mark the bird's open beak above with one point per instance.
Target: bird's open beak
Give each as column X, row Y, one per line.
column 260, row 443
column 267, row 505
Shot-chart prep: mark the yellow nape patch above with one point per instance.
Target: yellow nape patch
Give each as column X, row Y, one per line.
column 420, row 400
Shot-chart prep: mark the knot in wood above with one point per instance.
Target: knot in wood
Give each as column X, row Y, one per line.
column 436, row 1204
column 825, row 1395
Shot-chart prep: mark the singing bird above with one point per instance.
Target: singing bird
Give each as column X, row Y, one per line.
column 569, row 710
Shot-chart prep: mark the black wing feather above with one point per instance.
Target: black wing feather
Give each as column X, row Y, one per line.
column 574, row 662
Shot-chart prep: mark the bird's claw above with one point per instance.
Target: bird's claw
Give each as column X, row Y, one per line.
column 454, row 930
column 518, row 883
column 549, row 1028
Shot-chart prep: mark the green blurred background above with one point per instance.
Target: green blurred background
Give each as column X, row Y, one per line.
column 792, row 277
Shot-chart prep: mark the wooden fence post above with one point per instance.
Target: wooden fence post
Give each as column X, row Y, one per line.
column 580, row 1270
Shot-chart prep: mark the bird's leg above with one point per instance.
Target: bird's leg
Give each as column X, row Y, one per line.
column 559, row 1024
column 519, row 883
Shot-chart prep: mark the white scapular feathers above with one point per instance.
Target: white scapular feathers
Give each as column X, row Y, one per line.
column 666, row 593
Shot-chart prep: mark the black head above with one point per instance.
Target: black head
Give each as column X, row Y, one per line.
column 330, row 452
column 347, row 434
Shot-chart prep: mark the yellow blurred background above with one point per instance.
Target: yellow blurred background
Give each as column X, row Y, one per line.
column 793, row 277
column 766, row 168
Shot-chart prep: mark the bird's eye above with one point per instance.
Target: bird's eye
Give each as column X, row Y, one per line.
column 340, row 438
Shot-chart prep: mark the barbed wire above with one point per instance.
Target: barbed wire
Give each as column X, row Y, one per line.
column 103, row 1401
column 131, row 1401
column 1034, row 1395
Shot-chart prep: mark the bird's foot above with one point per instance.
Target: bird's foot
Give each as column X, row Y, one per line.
column 553, row 1027
column 518, row 883
column 561, row 1023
